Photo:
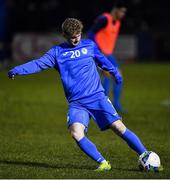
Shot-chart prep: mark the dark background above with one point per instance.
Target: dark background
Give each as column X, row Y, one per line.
column 43, row 15
column 148, row 20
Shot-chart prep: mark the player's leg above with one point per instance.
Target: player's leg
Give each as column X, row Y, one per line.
column 106, row 83
column 117, row 88
column 77, row 132
column 131, row 138
column 78, row 120
column 106, row 116
column 117, row 91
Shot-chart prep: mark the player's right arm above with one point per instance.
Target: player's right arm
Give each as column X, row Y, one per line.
column 34, row 66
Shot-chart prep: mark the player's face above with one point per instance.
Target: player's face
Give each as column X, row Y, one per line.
column 74, row 39
column 121, row 12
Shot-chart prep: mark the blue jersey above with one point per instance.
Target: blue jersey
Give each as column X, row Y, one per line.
column 77, row 68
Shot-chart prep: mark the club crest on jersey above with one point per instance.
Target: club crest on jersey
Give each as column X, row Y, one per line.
column 84, row 50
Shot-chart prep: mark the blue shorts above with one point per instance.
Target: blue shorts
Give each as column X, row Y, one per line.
column 102, row 111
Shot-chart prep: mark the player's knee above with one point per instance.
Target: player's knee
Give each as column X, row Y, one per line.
column 118, row 127
column 77, row 134
column 77, row 131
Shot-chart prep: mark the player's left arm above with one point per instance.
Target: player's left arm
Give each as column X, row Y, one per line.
column 34, row 66
column 106, row 65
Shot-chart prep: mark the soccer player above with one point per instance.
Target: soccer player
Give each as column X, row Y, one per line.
column 76, row 60
column 104, row 33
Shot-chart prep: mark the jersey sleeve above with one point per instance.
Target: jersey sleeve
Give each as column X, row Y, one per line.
column 103, row 62
column 37, row 65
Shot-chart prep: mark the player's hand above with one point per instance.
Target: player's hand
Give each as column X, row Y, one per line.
column 11, row 74
column 118, row 77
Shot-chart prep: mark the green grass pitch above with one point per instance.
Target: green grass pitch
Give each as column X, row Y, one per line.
column 35, row 143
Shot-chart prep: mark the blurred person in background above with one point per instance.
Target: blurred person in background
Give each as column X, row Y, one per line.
column 104, row 33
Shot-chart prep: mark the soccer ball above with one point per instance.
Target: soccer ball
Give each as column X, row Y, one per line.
column 149, row 161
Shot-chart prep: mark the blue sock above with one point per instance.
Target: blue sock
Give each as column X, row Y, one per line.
column 133, row 141
column 90, row 149
column 117, row 91
column 106, row 85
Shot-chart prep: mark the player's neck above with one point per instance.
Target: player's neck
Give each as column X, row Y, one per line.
column 71, row 45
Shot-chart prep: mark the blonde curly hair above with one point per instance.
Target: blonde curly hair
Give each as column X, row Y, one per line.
column 72, row 26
